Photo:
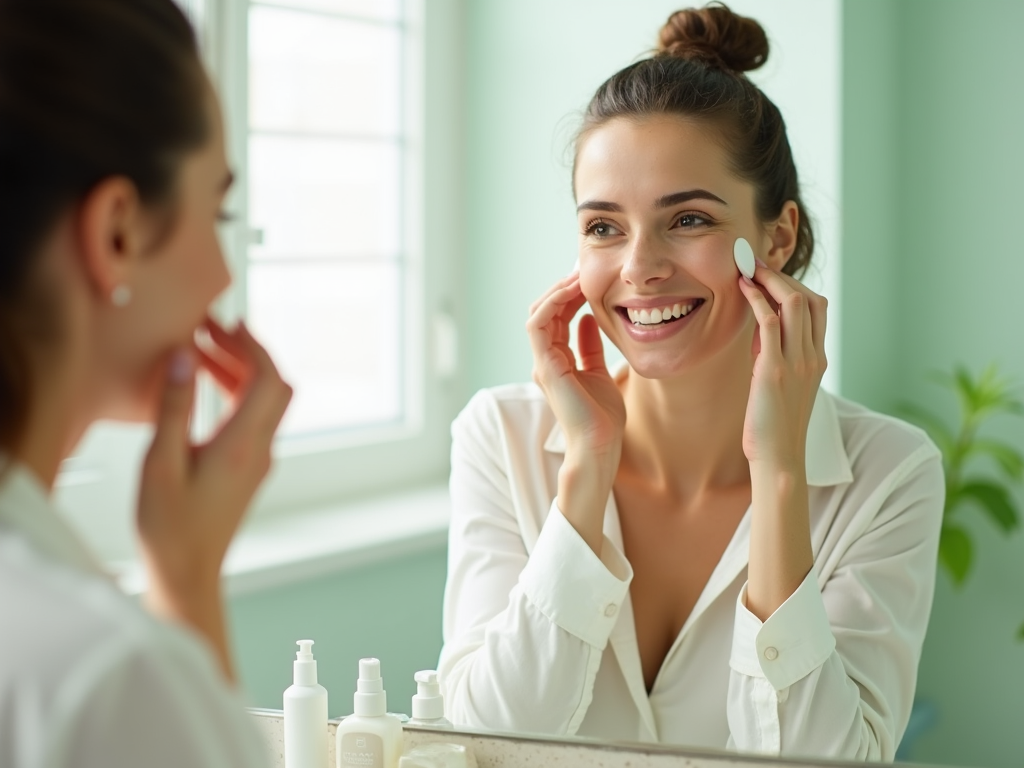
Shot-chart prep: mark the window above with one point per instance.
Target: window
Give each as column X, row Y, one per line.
column 323, row 106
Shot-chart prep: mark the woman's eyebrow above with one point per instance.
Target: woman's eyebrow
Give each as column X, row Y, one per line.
column 681, row 197
column 662, row 202
column 598, row 205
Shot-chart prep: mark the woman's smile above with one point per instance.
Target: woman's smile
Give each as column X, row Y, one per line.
column 647, row 322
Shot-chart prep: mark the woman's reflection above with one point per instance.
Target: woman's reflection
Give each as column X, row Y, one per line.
column 702, row 549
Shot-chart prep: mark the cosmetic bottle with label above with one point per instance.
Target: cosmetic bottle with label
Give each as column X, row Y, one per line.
column 428, row 704
column 305, row 714
column 370, row 737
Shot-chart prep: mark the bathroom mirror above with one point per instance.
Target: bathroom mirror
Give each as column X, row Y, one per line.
column 406, row 194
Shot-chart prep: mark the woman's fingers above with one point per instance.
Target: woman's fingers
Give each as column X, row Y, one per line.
column 768, row 322
column 170, row 450
column 264, row 402
column 563, row 283
column 229, row 379
column 548, row 325
column 590, row 344
column 780, row 286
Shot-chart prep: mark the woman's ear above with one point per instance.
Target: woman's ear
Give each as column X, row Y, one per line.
column 782, row 234
column 111, row 232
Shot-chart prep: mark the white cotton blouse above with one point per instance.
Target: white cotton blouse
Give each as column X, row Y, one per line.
column 539, row 633
column 88, row 678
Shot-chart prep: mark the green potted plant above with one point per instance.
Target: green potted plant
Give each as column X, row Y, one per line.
column 980, row 472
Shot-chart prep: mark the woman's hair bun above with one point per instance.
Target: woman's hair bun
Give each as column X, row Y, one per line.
column 716, row 36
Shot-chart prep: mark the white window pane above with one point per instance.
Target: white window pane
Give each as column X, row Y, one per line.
column 372, row 9
column 315, row 73
column 316, row 198
column 334, row 331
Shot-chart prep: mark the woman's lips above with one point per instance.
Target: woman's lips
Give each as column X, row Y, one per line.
column 660, row 331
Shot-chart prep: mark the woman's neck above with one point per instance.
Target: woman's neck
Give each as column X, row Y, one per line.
column 685, row 434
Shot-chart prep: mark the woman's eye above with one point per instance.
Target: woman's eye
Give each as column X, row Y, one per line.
column 599, row 228
column 692, row 221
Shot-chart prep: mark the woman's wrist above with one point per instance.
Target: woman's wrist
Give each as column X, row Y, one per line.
column 583, row 490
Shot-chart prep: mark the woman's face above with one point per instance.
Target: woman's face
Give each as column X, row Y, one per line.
column 659, row 212
column 172, row 284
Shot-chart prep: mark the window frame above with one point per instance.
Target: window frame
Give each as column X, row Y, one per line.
column 322, row 469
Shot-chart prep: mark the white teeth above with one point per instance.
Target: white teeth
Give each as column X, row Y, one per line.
column 659, row 315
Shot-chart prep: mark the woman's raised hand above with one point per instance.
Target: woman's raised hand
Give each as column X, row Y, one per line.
column 192, row 498
column 585, row 400
column 790, row 362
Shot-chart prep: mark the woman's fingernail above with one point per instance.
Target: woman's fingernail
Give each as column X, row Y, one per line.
column 762, row 264
column 747, row 280
column 181, row 368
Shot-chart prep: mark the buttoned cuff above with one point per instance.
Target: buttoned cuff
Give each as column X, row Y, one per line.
column 571, row 585
column 792, row 643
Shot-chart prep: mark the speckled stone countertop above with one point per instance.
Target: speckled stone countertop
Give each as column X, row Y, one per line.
column 508, row 751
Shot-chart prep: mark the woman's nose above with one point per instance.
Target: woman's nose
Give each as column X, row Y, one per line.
column 646, row 262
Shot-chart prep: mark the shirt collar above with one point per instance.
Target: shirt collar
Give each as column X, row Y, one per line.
column 827, row 462
column 26, row 509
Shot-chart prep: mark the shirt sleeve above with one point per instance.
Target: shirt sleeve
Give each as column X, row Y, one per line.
column 524, row 632
column 832, row 672
column 155, row 698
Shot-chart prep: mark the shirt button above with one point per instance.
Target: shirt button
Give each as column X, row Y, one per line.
column 771, row 653
column 610, row 610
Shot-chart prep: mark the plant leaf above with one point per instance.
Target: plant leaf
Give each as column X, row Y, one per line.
column 956, row 552
column 1009, row 459
column 994, row 500
column 931, row 424
column 1020, row 633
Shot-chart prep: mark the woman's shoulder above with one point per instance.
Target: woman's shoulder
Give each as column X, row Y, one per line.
column 878, row 444
column 510, row 413
column 77, row 628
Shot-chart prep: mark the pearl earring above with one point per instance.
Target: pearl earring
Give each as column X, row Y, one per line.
column 121, row 295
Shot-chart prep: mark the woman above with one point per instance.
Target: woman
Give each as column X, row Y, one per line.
column 704, row 549
column 113, row 173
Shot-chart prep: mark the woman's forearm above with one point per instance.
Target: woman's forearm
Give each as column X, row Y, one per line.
column 584, row 483
column 780, row 537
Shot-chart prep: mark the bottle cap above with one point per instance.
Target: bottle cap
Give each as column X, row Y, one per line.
column 304, row 666
column 428, row 703
column 370, row 700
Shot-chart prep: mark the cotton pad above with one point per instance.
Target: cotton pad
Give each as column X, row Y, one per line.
column 744, row 256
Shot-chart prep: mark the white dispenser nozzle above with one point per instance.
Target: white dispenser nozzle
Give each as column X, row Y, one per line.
column 370, row 700
column 427, row 704
column 304, row 666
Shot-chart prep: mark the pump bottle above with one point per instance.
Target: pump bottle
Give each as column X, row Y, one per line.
column 305, row 714
column 428, row 704
column 369, row 738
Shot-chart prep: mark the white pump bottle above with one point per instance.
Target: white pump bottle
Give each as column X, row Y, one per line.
column 305, row 714
column 428, row 704
column 370, row 737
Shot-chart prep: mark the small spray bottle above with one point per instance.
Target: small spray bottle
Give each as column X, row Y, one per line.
column 428, row 704
column 370, row 737
column 305, row 714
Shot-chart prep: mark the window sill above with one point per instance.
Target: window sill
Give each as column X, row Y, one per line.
column 280, row 550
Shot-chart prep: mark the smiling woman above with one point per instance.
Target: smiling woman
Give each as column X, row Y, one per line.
column 703, row 548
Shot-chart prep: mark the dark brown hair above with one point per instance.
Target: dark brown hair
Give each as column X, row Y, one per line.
column 697, row 72
column 89, row 89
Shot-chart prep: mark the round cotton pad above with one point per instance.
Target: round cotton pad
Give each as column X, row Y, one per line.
column 744, row 256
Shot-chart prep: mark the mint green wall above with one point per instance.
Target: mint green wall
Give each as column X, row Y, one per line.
column 391, row 610
column 870, row 218
column 961, row 271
